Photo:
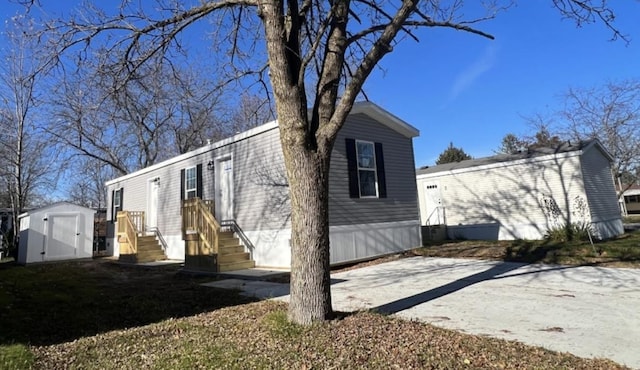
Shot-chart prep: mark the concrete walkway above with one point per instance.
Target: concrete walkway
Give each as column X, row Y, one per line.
column 587, row 311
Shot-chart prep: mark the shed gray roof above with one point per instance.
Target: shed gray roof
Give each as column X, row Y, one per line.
column 532, row 152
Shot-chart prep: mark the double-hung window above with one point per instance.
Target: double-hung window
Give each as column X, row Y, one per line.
column 190, row 183
column 366, row 169
column 116, row 203
column 367, row 179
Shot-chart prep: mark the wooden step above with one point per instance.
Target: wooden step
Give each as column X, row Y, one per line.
column 149, row 247
column 233, row 257
column 230, row 249
column 149, row 256
column 228, row 241
column 149, row 250
column 224, row 267
column 147, row 243
column 226, row 235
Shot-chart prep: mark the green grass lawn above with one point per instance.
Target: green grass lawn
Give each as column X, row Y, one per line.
column 100, row 315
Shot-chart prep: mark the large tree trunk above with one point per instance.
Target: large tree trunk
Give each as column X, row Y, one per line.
column 308, row 172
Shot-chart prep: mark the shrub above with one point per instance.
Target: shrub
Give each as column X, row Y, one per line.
column 576, row 231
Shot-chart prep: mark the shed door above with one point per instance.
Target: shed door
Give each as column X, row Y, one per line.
column 62, row 237
column 224, row 189
column 433, row 203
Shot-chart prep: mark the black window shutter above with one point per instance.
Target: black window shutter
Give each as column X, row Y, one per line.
column 121, row 199
column 352, row 166
column 181, row 185
column 113, row 206
column 199, row 181
column 382, row 180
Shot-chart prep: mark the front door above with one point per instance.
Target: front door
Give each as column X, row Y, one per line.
column 153, row 188
column 224, row 189
column 433, row 202
column 62, row 237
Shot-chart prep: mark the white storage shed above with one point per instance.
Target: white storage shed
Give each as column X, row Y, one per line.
column 57, row 232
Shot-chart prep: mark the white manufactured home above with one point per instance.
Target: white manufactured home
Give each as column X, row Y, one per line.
column 521, row 195
column 226, row 205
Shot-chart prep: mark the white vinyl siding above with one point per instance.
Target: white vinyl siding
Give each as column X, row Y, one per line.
column 507, row 202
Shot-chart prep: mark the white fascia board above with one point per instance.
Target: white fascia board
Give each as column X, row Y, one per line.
column 631, row 192
column 385, row 117
column 207, row 148
column 501, row 164
column 29, row 212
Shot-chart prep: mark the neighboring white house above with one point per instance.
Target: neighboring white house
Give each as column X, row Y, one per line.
column 522, row 195
column 630, row 199
column 60, row 231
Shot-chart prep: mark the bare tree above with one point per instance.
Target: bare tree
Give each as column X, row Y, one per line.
column 251, row 111
column 28, row 162
column 317, row 55
column 610, row 113
column 158, row 113
column 88, row 178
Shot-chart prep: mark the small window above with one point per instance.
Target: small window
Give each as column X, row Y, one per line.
column 190, row 183
column 116, row 203
column 367, row 169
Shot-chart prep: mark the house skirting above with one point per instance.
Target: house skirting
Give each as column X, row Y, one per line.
column 608, row 228
column 349, row 243
column 526, row 231
column 496, row 231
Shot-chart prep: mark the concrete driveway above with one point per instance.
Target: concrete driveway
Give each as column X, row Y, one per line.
column 587, row 311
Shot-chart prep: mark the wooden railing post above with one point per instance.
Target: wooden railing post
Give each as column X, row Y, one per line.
column 201, row 231
column 130, row 223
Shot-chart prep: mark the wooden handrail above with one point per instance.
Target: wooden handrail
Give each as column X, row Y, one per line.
column 127, row 228
column 197, row 218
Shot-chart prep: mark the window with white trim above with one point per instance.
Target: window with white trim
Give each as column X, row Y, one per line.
column 116, row 203
column 367, row 178
column 365, row 169
column 190, row 183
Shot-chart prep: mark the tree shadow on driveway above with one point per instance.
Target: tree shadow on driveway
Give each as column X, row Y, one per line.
column 492, row 273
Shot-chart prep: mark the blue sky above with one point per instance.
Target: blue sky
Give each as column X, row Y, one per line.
column 465, row 89
column 469, row 90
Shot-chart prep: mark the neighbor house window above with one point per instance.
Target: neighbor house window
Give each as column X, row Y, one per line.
column 366, row 169
column 632, row 199
column 190, row 183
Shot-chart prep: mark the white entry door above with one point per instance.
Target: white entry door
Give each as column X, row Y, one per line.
column 433, row 203
column 62, row 237
column 153, row 189
column 224, row 189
